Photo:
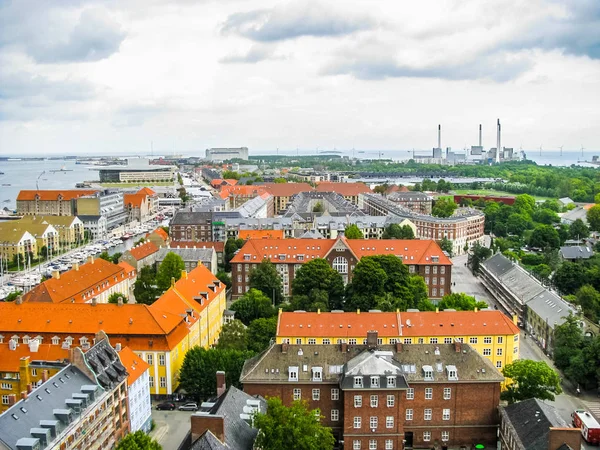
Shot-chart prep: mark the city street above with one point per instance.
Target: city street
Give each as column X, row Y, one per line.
column 468, row 283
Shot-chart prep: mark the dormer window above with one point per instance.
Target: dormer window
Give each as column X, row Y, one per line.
column 26, row 339
column 246, row 257
column 300, row 257
column 452, row 373
column 317, row 374
column 55, row 340
column 358, row 382
column 391, row 382
column 293, row 373
column 428, row 373
column 374, row 382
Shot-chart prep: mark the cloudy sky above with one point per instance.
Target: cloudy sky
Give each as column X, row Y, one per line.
column 93, row 77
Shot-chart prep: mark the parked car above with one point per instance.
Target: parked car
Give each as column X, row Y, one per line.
column 189, row 407
column 166, row 405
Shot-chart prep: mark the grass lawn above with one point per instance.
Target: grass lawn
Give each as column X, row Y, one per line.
column 134, row 185
column 492, row 192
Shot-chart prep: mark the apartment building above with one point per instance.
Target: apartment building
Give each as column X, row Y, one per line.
column 191, row 257
column 45, row 235
column 70, row 228
column 423, row 257
column 386, row 396
column 140, row 256
column 489, row 332
column 106, row 203
column 283, row 192
column 191, row 226
column 350, row 191
column 417, row 202
column 138, row 391
column 15, row 241
column 50, row 202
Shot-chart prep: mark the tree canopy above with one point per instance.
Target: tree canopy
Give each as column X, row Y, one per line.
column 593, row 217
column 253, row 305
column 530, row 379
column 579, row 230
column 544, row 236
column 138, row 441
column 317, row 285
column 233, row 336
column 231, row 246
column 171, row 267
column 114, row 298
column 444, row 207
column 461, row 302
column 145, row 289
column 353, row 232
column 266, row 279
column 293, row 427
column 395, row 231
column 260, row 333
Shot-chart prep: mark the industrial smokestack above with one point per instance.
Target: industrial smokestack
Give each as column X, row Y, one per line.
column 439, row 136
column 498, row 144
column 480, row 135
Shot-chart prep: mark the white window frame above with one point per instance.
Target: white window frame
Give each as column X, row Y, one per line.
column 389, row 422
column 445, row 436
column 340, row 264
column 410, row 394
column 426, row 436
column 297, row 394
column 357, row 422
column 373, row 422
column 356, row 445
column 335, row 394
column 427, row 414
column 374, row 382
column 316, row 394
column 374, row 401
column 428, row 393
column 372, row 444
column 391, row 400
column 335, row 415
column 358, row 401
column 358, row 382
column 389, row 444
column 409, row 414
column 447, row 393
column 446, row 414
column 391, row 382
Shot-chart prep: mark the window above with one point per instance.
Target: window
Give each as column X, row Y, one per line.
column 372, row 444
column 499, row 364
column 441, row 291
column 317, row 373
column 473, row 340
column 312, row 341
column 6, row 386
column 239, row 278
column 335, row 394
column 163, row 382
column 352, row 341
column 410, row 394
column 358, row 382
column 374, row 382
column 240, row 289
column 446, row 414
column 433, row 340
column 447, row 340
column 445, row 436
column 373, row 422
column 434, row 292
column 487, row 351
column 434, row 280
column 391, row 382
column 297, row 394
column 447, row 393
column 409, row 414
column 426, row 436
column 55, row 340
column 326, row 341
column 428, row 393
column 389, row 422
column 408, row 340
column 374, row 401
column 487, row 340
column 357, row 423
column 357, row 401
column 316, row 394
column 516, row 338
column 340, row 264
column 161, row 360
column 335, row 415
column 427, row 415
column 442, row 281
column 498, row 352
column 389, row 444
column 443, row 270
column 356, row 445
column 298, row 341
column 34, row 372
column 150, row 359
column 500, row 340
column 426, row 280
column 516, row 350
column 461, row 340
column 421, row 340
column 391, row 400
column 5, row 399
column 151, row 381
column 427, row 269
column 293, row 373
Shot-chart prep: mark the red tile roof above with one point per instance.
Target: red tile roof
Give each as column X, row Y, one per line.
column 147, row 191
column 392, row 324
column 128, row 268
column 10, row 359
column 343, row 188
column 135, row 200
column 260, row 234
column 244, row 191
column 218, row 246
column 80, row 285
column 162, row 233
column 135, row 365
column 286, row 189
column 413, row 251
column 143, row 250
column 67, row 194
column 196, row 284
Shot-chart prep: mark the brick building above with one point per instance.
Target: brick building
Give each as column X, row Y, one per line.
column 350, row 191
column 141, row 255
column 423, row 257
column 386, row 397
column 415, row 201
column 50, row 202
column 191, row 226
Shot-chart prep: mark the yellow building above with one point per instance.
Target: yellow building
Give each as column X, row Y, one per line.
column 50, row 202
column 14, row 240
column 70, row 228
column 490, row 332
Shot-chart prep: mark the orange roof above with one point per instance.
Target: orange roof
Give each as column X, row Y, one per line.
column 67, row 194
column 162, row 233
column 128, row 268
column 135, row 200
column 413, row 251
column 286, row 251
column 261, row 234
column 135, row 365
column 287, row 189
column 147, row 191
column 143, row 250
column 343, row 188
column 10, row 359
column 392, row 324
column 199, row 284
column 78, row 285
column 218, row 246
column 589, row 205
column 243, row 190
column 86, row 319
column 403, row 189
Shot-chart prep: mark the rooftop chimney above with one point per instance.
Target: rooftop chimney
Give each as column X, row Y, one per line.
column 480, row 135
column 44, row 376
column 457, row 346
column 284, row 347
column 56, row 274
column 19, row 300
column 439, row 136
column 76, row 266
column 371, row 340
column 498, row 147
column 221, row 384
column 120, row 301
column 94, row 301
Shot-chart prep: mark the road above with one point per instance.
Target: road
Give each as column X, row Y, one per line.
column 566, row 402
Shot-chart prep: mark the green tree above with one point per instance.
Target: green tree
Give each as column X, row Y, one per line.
column 114, row 298
column 260, row 333
column 318, row 275
column 105, row 256
column 568, row 277
column 478, row 254
column 253, row 305
column 115, row 257
column 266, row 279
column 231, row 247
column 319, row 207
column 568, row 340
column 444, row 207
column 13, row 296
column 461, row 302
column 518, row 223
column 446, row 245
column 593, row 218
column 165, row 229
column 145, row 290
column 546, row 216
column 525, row 203
column 293, row 427
column 233, row 336
column 230, row 175
column 170, row 268
column 279, row 180
column 589, row 299
column 530, row 379
column 544, row 236
column 395, row 231
column 138, row 441
column 198, row 373
column 224, row 278
column 579, row 230
column 353, row 232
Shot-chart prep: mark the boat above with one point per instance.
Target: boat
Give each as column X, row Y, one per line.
column 126, row 236
column 62, row 169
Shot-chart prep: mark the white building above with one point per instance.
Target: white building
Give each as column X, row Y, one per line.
column 222, row 154
column 138, row 388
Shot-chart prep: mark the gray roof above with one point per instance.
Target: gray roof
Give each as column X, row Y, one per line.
column 187, row 254
column 312, row 234
column 104, row 361
column 565, row 200
column 272, row 366
column 413, row 196
column 576, row 252
column 498, row 264
column 191, row 218
column 86, row 218
column 551, row 308
column 233, row 406
column 42, row 405
column 531, row 419
column 253, row 206
column 334, row 204
column 571, row 216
